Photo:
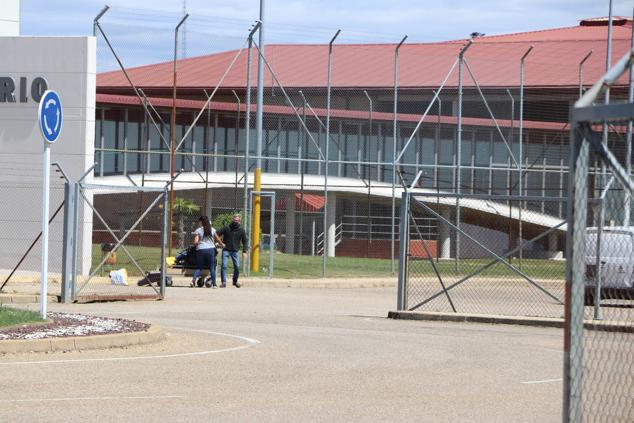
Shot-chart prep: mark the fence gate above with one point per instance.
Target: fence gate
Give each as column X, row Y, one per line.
column 463, row 254
column 129, row 239
column 599, row 331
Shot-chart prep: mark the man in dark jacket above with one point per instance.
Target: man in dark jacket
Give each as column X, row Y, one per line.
column 232, row 235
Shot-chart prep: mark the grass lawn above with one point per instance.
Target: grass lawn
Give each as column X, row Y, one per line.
column 290, row 266
column 305, row 267
column 149, row 258
column 12, row 316
column 534, row 268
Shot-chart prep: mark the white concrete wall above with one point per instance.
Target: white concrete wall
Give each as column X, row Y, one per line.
column 10, row 18
column 69, row 66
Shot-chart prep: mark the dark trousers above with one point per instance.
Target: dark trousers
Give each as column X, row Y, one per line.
column 206, row 259
column 235, row 259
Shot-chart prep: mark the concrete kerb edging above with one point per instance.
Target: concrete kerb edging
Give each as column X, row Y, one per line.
column 77, row 343
column 25, row 299
column 508, row 320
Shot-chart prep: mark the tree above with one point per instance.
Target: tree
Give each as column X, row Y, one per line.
column 224, row 219
column 182, row 208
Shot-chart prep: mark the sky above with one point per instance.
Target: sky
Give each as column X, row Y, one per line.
column 142, row 34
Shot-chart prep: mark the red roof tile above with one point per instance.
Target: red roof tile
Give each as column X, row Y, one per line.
column 494, row 60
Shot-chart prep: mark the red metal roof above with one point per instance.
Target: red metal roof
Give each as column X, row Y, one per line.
column 312, row 202
column 181, row 104
column 494, row 60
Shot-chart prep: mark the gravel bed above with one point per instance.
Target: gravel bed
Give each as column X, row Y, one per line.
column 64, row 325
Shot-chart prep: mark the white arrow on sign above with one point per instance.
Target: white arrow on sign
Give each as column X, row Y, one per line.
column 48, row 129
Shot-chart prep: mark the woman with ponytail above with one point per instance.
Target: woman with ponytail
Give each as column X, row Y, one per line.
column 205, row 239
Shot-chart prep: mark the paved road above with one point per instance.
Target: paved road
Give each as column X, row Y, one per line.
column 271, row 354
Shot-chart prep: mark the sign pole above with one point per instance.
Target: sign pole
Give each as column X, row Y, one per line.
column 49, row 116
column 45, row 204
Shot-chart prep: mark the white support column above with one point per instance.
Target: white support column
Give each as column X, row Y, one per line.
column 552, row 242
column 444, row 235
column 289, row 247
column 331, row 224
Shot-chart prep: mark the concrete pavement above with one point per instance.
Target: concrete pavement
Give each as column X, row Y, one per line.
column 267, row 354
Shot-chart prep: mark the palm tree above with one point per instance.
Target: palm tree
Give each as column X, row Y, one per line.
column 182, row 208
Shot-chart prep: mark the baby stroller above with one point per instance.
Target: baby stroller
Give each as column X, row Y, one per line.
column 185, row 261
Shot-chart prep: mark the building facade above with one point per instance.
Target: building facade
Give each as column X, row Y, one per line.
column 505, row 125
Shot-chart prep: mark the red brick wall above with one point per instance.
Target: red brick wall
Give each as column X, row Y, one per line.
column 381, row 248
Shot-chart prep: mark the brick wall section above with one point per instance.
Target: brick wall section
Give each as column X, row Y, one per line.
column 381, row 248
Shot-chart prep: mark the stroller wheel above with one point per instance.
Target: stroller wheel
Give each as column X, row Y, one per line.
column 200, row 282
column 208, row 282
column 168, row 281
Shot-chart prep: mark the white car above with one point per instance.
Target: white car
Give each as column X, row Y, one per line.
column 616, row 260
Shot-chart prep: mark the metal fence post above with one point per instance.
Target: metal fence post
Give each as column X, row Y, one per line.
column 312, row 239
column 628, row 138
column 586, row 57
column 67, row 241
column 75, row 244
column 401, row 301
column 173, row 129
column 245, row 211
column 327, row 154
column 394, row 130
column 272, row 236
column 575, row 255
column 521, row 154
column 459, row 152
column 164, row 238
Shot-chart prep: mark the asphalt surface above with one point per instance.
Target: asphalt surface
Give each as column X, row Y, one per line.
column 271, row 354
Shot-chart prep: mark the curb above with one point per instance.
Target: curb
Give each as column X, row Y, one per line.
column 25, row 299
column 545, row 322
column 311, row 284
column 477, row 318
column 78, row 343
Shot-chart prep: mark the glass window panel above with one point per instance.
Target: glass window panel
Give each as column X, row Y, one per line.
column 554, row 151
column 428, row 151
column 552, row 184
column 482, row 153
column 230, row 149
column 534, row 181
column 535, row 153
column 293, row 151
column 481, row 181
column 109, row 134
column 445, row 152
column 445, row 179
column 467, row 148
column 98, row 132
column 427, row 178
column 466, row 182
column 155, row 145
column 133, row 159
column 220, row 146
column 165, row 157
column 499, row 182
column 109, row 159
column 500, row 153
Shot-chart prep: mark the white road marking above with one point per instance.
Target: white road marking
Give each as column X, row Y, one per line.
column 154, row 397
column 250, row 343
column 534, row 382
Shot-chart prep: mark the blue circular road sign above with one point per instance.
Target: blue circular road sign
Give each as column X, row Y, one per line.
column 50, row 116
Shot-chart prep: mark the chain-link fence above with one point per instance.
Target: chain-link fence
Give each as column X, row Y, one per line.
column 480, row 265
column 21, row 224
column 599, row 347
column 128, row 244
column 344, row 126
